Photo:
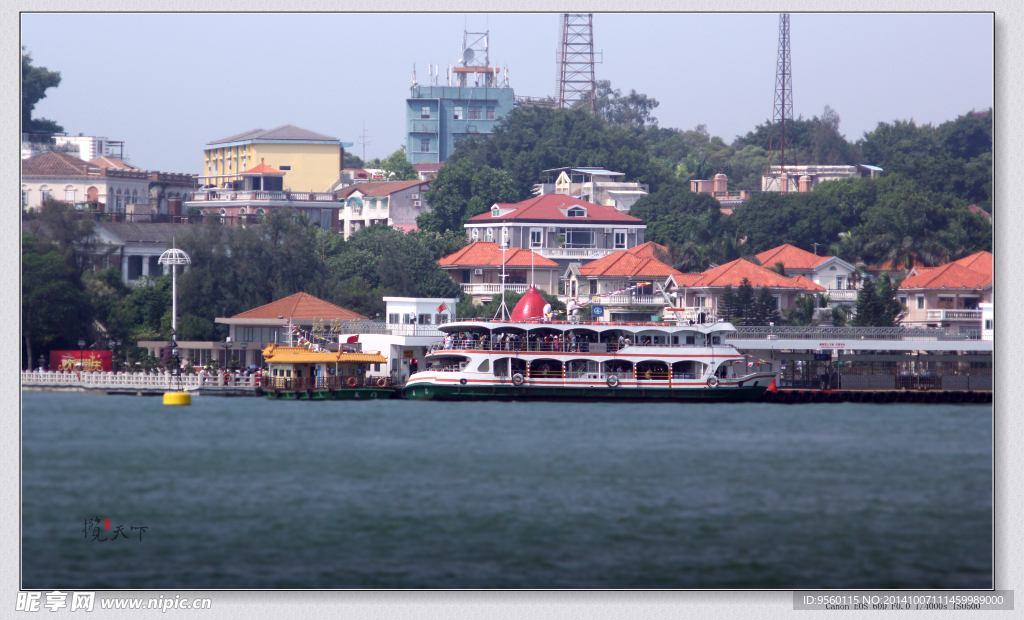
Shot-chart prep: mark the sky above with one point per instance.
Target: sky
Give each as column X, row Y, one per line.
column 179, row 81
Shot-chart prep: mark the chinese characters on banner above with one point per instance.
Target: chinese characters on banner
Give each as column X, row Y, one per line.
column 90, row 361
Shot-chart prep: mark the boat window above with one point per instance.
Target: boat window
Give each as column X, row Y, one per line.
column 501, row 367
column 716, row 340
column 691, row 340
column 484, row 366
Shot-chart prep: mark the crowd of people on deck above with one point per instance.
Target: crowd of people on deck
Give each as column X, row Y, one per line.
column 568, row 342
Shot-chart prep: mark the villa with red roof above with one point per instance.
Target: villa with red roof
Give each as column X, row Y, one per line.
column 830, row 272
column 948, row 295
column 597, row 280
column 559, row 227
column 702, row 290
column 477, row 268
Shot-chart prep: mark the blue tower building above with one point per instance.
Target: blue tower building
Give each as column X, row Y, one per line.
column 437, row 117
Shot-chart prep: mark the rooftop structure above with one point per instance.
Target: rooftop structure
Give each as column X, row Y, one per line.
column 595, row 185
column 805, row 178
column 718, row 187
column 949, row 295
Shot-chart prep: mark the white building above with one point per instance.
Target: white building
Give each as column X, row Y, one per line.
column 594, row 185
column 804, row 178
column 406, row 336
column 395, row 203
column 91, row 147
column 987, row 316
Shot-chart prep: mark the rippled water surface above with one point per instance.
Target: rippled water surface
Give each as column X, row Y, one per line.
column 249, row 493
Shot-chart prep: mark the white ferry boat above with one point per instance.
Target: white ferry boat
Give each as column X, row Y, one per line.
column 528, row 357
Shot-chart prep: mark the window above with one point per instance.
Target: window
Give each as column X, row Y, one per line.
column 536, row 237
column 24, row 197
column 69, row 194
column 458, row 113
column 903, row 300
column 700, row 301
column 691, row 340
column 424, row 319
column 425, row 145
column 579, row 238
column 988, row 323
column 593, row 287
column 495, row 212
column 619, row 237
column 425, row 112
column 474, row 113
column 475, row 234
column 44, row 194
column 394, row 318
column 946, row 303
column 576, row 212
column 284, row 167
column 490, row 114
column 920, row 302
column 489, row 235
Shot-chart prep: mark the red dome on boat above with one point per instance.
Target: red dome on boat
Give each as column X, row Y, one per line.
column 530, row 306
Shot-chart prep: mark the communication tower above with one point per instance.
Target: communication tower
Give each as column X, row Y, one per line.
column 475, row 61
column 782, row 113
column 576, row 85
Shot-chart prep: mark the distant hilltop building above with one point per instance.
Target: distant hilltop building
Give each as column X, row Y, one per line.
column 471, row 104
column 310, row 161
column 804, row 178
column 719, row 188
column 594, row 185
column 81, row 146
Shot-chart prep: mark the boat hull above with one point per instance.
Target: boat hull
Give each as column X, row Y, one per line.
column 425, row 391
column 335, row 394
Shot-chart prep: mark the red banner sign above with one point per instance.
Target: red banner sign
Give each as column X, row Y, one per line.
column 90, row 361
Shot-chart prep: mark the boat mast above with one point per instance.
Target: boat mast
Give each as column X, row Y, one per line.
column 502, row 308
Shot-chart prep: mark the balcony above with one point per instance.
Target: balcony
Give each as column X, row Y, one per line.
column 218, row 195
column 841, row 295
column 954, row 315
column 630, row 300
column 585, row 253
column 492, row 289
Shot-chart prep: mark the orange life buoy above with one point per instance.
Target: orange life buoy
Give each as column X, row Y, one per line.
column 227, row 378
column 352, row 381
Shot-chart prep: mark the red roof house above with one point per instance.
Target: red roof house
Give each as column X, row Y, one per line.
column 948, row 295
column 478, row 270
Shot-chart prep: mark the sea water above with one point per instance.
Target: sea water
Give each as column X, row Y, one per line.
column 250, row 493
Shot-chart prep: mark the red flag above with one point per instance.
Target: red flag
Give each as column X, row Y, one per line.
column 352, row 339
column 442, row 308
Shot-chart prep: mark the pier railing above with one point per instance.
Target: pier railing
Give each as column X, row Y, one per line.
column 850, row 333
column 129, row 380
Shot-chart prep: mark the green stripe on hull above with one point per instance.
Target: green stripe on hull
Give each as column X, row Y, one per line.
column 501, row 392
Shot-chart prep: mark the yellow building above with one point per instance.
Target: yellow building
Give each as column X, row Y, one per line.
column 311, row 161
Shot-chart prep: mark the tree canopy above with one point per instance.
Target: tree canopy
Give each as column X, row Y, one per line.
column 35, row 81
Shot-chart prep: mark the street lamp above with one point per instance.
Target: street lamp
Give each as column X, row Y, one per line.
column 111, row 344
column 174, row 257
column 244, row 345
column 42, row 362
column 81, row 345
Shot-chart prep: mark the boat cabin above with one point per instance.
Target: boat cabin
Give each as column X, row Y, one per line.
column 301, row 368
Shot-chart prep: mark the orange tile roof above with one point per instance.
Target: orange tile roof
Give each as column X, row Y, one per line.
column 548, row 208
column 301, row 306
column 377, row 188
column 734, row 272
column 792, row 256
column 112, row 162
column 485, row 253
column 950, row 275
column 638, row 261
column 980, row 262
column 56, row 164
column 262, row 168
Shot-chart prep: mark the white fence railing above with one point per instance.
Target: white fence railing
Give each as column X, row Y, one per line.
column 841, row 294
column 573, row 252
column 492, row 289
column 126, row 380
column 954, row 315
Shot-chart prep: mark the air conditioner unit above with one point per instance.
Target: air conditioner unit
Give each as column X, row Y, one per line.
column 417, row 203
column 415, row 196
column 552, row 229
column 478, row 272
column 607, row 231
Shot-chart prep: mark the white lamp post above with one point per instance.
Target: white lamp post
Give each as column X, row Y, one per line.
column 174, row 257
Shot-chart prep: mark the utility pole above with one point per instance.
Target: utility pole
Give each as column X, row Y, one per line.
column 363, row 141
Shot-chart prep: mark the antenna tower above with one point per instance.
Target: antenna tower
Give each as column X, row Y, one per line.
column 576, row 85
column 363, row 141
column 783, row 110
column 475, row 59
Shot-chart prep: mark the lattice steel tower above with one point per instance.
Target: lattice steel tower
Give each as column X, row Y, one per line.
column 783, row 110
column 576, row 61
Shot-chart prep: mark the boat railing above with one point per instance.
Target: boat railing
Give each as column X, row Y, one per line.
column 851, row 333
column 546, row 346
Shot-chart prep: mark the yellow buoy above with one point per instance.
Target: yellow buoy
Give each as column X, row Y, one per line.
column 177, row 398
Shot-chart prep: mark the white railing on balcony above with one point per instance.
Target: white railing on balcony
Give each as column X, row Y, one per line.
column 841, row 294
column 127, row 380
column 954, row 315
column 231, row 195
column 631, row 300
column 573, row 252
column 492, row 289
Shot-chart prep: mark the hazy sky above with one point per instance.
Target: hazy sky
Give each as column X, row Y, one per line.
column 174, row 82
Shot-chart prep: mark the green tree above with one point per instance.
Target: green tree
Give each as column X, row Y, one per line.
column 460, row 191
column 727, row 304
column 55, row 311
column 765, row 308
column 35, row 81
column 745, row 300
column 633, row 111
column 397, row 168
